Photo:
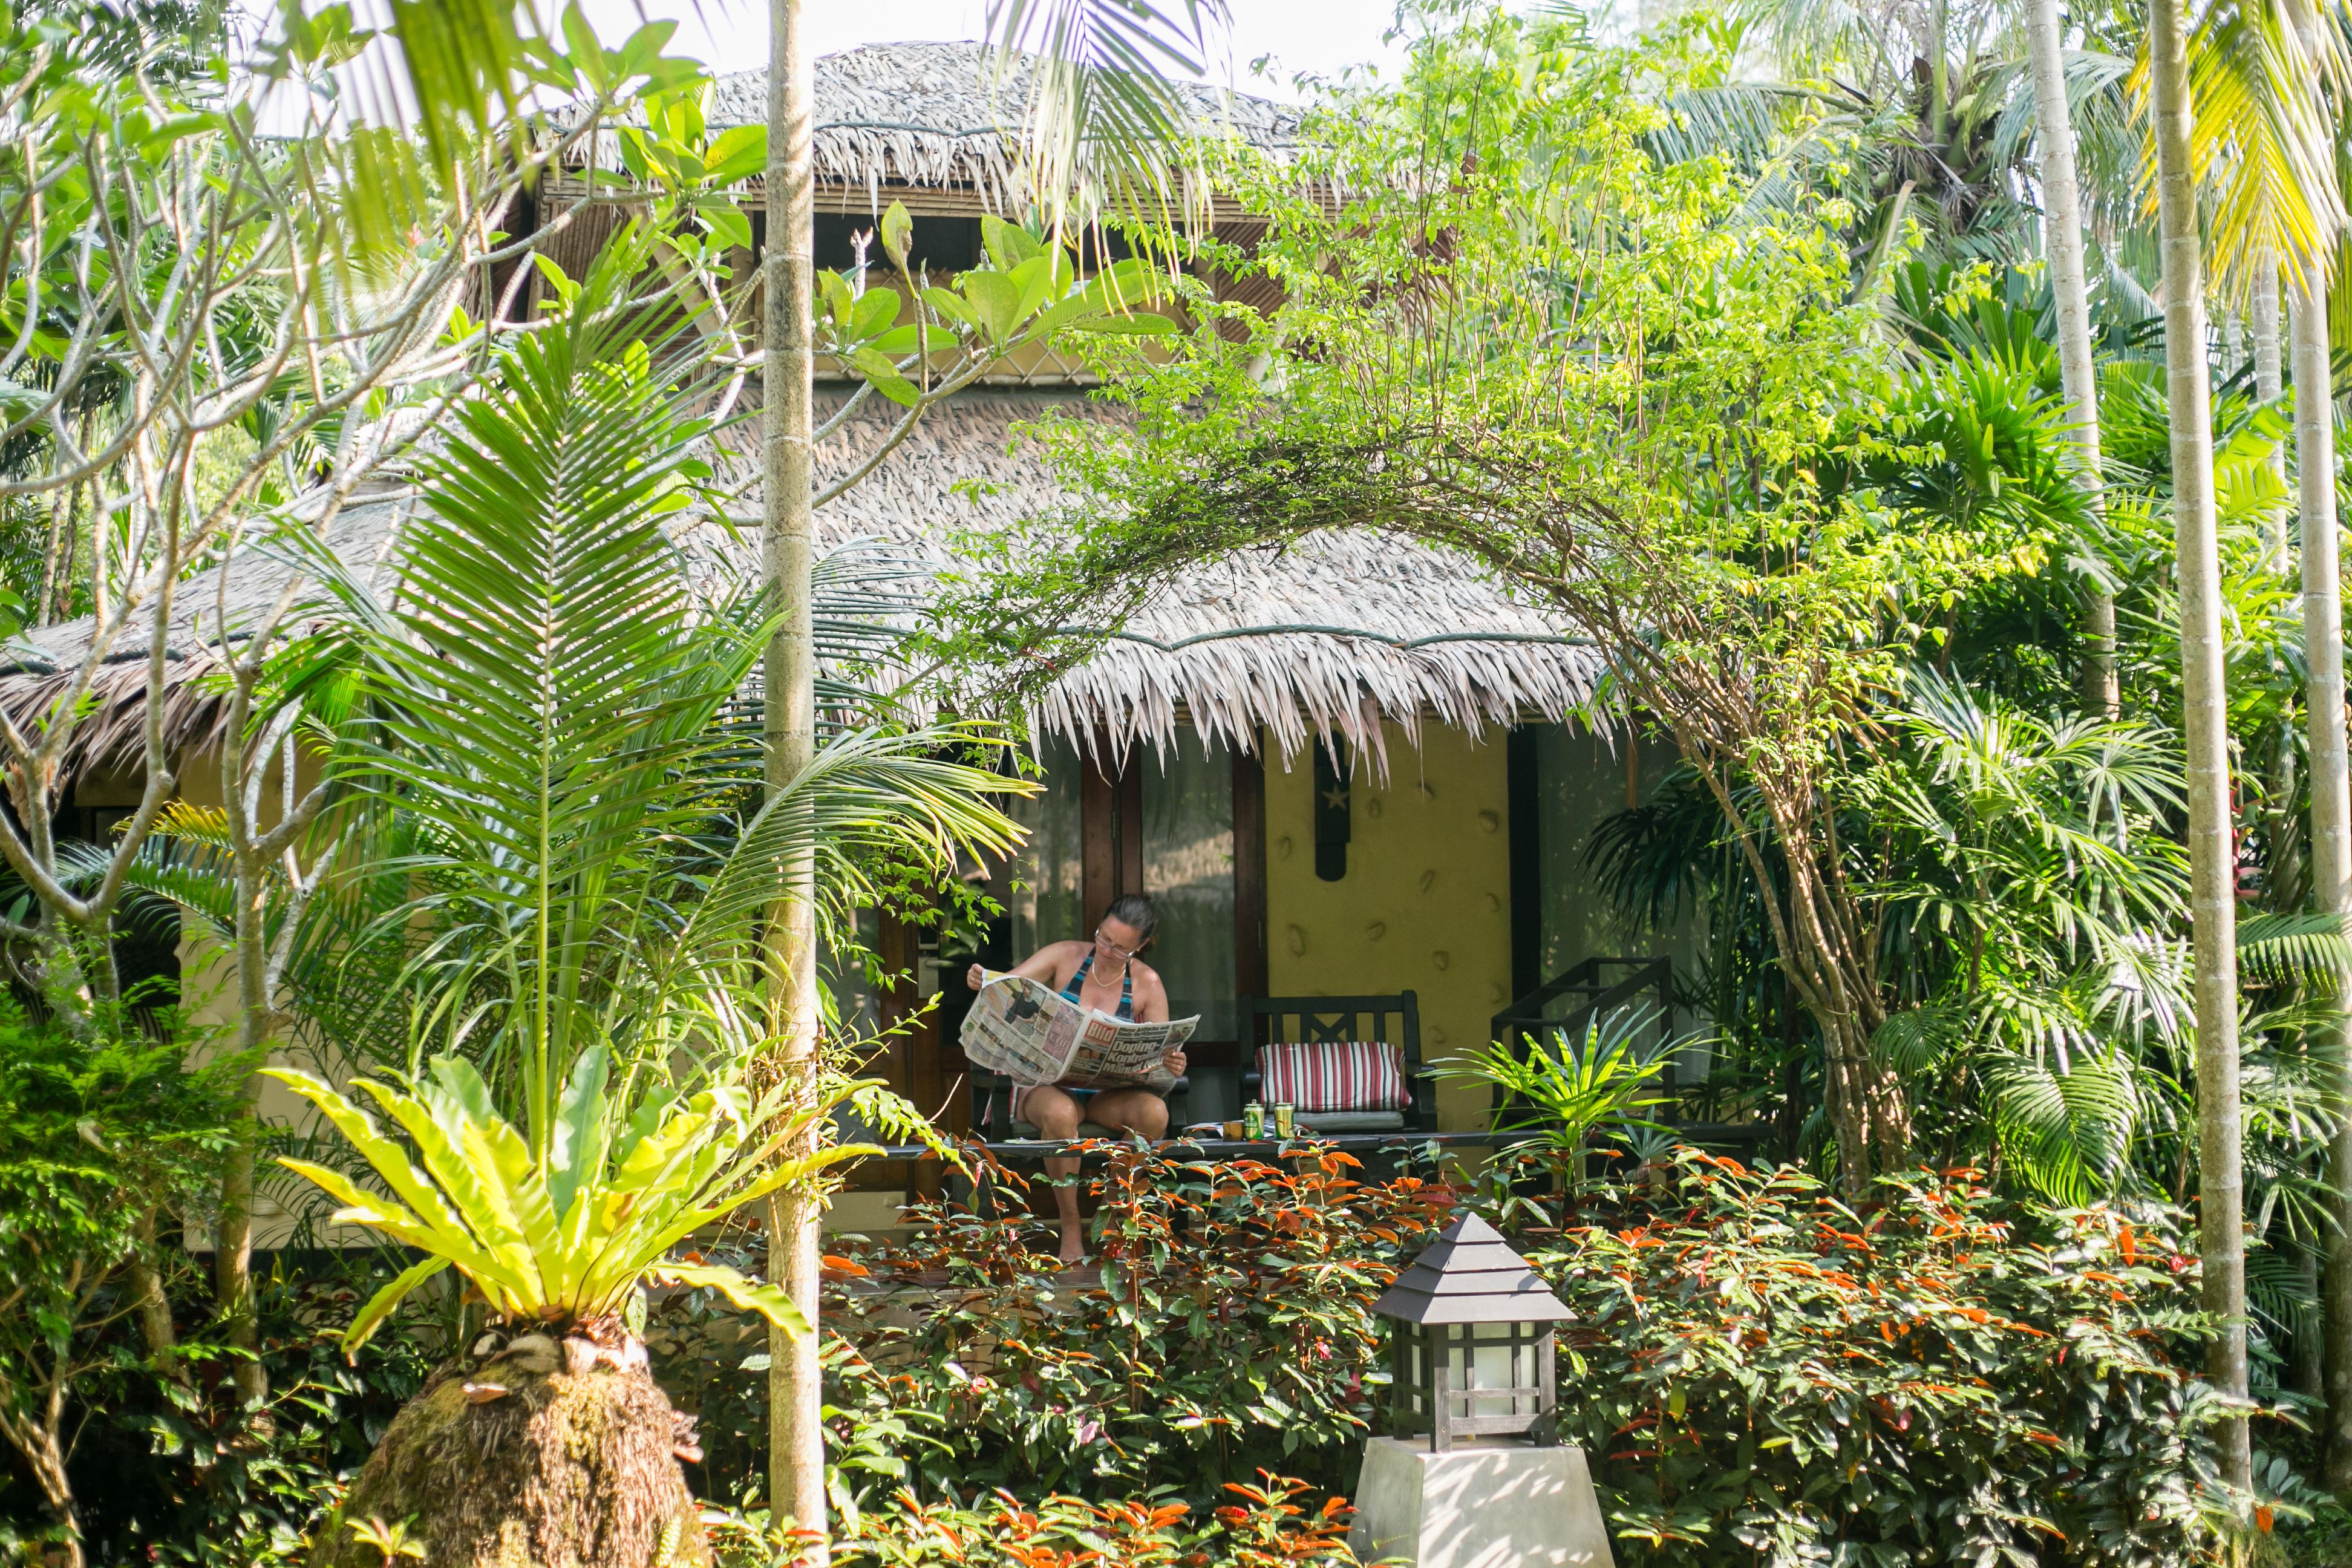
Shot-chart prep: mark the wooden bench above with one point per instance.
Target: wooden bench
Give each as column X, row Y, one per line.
column 1392, row 1019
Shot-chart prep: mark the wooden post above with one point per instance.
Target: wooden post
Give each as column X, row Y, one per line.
column 1548, row 1380
column 1249, row 879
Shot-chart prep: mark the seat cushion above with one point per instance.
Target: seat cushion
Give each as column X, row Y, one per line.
column 1352, row 1121
column 1327, row 1077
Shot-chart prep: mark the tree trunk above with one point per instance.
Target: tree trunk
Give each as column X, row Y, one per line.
column 1939, row 77
column 544, row 1454
column 47, row 1460
column 2062, row 243
column 156, row 1330
column 2270, row 386
column 2331, row 800
column 796, row 1430
column 2270, row 369
column 233, row 1246
column 42, row 1445
column 2205, row 727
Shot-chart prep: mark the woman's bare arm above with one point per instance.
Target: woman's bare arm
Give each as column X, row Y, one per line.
column 1151, row 997
column 1045, row 965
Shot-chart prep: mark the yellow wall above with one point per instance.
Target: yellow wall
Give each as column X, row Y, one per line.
column 1426, row 905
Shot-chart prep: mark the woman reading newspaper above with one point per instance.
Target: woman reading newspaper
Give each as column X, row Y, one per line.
column 1108, row 975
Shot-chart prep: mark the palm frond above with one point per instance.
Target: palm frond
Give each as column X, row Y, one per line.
column 2292, row 949
column 2262, row 134
column 2067, row 1131
column 1918, row 1040
column 1100, row 100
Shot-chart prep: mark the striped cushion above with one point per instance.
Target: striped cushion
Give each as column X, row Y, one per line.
column 1317, row 1075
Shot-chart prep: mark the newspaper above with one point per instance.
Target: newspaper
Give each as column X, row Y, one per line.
column 1033, row 1033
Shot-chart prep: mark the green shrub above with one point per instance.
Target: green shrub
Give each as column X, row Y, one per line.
column 105, row 1140
column 1270, row 1525
column 1760, row 1374
column 177, row 1475
column 1231, row 1332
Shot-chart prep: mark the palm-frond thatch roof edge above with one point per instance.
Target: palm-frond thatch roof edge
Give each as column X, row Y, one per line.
column 934, row 115
column 1338, row 635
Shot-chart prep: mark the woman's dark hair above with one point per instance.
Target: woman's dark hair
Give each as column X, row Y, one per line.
column 1135, row 909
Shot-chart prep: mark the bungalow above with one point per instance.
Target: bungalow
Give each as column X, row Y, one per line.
column 1341, row 769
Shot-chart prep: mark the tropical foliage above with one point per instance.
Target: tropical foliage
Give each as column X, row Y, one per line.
column 1275, row 1519
column 1229, row 1330
column 1734, row 349
column 1775, row 1375
column 567, row 1237
column 1560, row 1090
column 102, row 1138
column 558, row 866
column 1761, row 1372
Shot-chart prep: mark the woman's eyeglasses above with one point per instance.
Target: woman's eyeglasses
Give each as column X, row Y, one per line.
column 1110, row 946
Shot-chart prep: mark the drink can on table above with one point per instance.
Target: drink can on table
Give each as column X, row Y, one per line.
column 1253, row 1122
column 1284, row 1123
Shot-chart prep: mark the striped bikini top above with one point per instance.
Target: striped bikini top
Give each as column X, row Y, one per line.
column 1126, row 991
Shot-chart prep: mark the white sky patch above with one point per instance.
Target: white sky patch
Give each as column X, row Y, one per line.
column 1321, row 38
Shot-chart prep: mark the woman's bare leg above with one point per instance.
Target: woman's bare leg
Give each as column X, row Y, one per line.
column 1056, row 1115
column 1137, row 1111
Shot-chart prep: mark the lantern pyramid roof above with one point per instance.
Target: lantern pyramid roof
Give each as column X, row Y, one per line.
column 1470, row 1274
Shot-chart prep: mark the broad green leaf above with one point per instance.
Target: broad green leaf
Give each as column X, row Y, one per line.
column 875, row 309
column 738, row 154
column 1035, row 278
column 1008, row 245
column 390, row 1162
column 878, row 369
column 838, row 301
column 904, row 340
column 898, row 232
column 949, row 306
column 575, row 1149
column 768, row 1300
column 995, row 303
column 728, row 223
column 380, row 1304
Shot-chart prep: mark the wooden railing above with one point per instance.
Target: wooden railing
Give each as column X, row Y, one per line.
column 1532, row 1014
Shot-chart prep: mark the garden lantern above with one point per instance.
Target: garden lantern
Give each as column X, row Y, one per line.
column 1475, row 1370
column 1472, row 1353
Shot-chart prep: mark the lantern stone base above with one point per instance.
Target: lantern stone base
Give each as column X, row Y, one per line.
column 1487, row 1504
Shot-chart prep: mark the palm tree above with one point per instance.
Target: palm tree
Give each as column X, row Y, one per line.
column 2062, row 239
column 2331, row 801
column 2331, row 789
column 2264, row 130
column 2270, row 77
column 1098, row 89
column 788, row 554
column 465, row 68
column 2205, row 727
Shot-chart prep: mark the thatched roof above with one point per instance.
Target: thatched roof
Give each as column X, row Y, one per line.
column 41, row 666
column 1327, row 637
column 1332, row 636
column 931, row 115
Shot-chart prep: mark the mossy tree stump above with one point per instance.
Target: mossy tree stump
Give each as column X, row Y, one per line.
column 534, row 1457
